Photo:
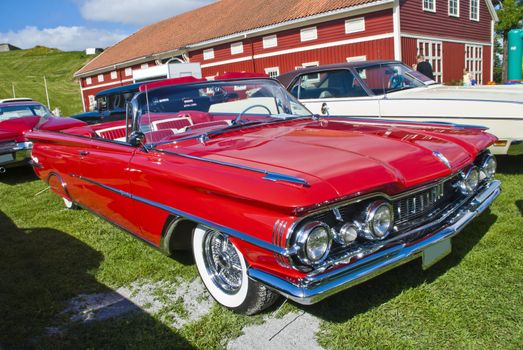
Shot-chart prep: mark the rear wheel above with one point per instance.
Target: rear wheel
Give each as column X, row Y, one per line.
column 70, row 204
column 223, row 270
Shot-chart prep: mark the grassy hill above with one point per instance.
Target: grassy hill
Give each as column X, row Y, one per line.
column 26, row 70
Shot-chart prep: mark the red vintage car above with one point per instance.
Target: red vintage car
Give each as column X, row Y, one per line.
column 18, row 116
column 271, row 199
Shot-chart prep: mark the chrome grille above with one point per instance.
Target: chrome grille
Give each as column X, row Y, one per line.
column 419, row 204
column 6, row 147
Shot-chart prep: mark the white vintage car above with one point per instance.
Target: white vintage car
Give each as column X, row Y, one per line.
column 392, row 90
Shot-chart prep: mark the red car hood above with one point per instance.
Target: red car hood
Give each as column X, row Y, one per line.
column 340, row 158
column 14, row 129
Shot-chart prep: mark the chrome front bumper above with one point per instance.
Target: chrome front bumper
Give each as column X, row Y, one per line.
column 317, row 287
column 21, row 153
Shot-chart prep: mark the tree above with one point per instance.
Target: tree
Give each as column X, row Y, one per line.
column 510, row 13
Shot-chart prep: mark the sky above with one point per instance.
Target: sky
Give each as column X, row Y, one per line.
column 77, row 24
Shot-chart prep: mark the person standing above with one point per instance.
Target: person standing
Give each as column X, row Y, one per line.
column 424, row 67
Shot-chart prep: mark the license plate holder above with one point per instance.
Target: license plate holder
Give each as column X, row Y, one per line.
column 436, row 252
column 6, row 158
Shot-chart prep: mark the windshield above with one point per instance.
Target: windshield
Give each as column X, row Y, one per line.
column 18, row 111
column 389, row 77
column 178, row 111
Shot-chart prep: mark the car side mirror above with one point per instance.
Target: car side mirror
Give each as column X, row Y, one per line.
column 325, row 109
column 137, row 138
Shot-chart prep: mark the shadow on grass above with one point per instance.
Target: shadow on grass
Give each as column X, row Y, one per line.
column 510, row 165
column 519, row 204
column 41, row 270
column 359, row 299
column 18, row 175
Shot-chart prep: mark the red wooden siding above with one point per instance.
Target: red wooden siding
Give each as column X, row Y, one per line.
column 375, row 23
column 377, row 49
column 453, row 61
column 415, row 20
column 487, row 52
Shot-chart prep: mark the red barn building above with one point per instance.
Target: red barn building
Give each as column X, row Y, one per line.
column 275, row 36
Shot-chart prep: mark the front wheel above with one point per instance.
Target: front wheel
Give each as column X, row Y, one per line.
column 223, row 270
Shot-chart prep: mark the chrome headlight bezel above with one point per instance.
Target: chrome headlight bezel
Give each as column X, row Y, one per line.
column 302, row 240
column 371, row 230
column 488, row 166
column 469, row 181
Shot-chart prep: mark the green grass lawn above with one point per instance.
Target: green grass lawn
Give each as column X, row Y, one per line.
column 471, row 299
column 26, row 70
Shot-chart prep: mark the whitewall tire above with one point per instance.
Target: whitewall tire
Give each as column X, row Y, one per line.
column 223, row 270
column 70, row 204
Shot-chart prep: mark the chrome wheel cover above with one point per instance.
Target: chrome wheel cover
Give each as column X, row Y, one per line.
column 222, row 262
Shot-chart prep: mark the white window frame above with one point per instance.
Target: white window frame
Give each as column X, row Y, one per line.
column 237, row 48
column 428, row 9
column 357, row 58
column 432, row 57
column 308, row 34
column 474, row 61
column 100, row 78
column 144, row 65
column 208, row 54
column 272, row 72
column 128, row 71
column 457, row 8
column 114, row 75
column 270, row 41
column 88, row 81
column 357, row 24
column 476, row 19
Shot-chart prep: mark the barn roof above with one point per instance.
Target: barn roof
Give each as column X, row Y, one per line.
column 217, row 20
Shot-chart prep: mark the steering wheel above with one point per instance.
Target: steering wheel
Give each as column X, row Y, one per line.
column 239, row 117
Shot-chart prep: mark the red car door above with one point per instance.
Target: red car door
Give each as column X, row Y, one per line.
column 106, row 187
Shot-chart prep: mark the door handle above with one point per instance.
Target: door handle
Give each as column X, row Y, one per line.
column 84, row 153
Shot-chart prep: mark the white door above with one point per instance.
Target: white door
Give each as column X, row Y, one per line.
column 433, row 52
column 474, row 62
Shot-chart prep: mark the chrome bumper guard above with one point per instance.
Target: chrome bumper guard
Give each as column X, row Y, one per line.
column 21, row 153
column 313, row 289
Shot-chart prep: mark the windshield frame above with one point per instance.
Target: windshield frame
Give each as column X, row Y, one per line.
column 138, row 111
column 356, row 71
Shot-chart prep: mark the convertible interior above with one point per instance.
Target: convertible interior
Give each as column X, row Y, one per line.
column 159, row 126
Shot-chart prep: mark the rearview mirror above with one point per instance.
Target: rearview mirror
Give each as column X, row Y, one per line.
column 137, row 138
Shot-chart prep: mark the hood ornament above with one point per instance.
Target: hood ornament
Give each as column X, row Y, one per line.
column 443, row 159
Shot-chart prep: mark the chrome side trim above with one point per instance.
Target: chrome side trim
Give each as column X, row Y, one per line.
column 314, row 288
column 402, row 120
column 226, row 230
column 272, row 176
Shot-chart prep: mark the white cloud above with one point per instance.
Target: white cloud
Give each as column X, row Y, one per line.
column 63, row 38
column 138, row 12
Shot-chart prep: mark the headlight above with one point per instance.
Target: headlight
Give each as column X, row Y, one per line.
column 346, row 233
column 379, row 220
column 470, row 180
column 488, row 166
column 314, row 240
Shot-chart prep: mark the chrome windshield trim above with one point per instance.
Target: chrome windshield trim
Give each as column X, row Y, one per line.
column 226, row 230
column 269, row 175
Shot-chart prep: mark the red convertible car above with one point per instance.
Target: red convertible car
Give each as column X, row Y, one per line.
column 271, row 199
column 18, row 116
